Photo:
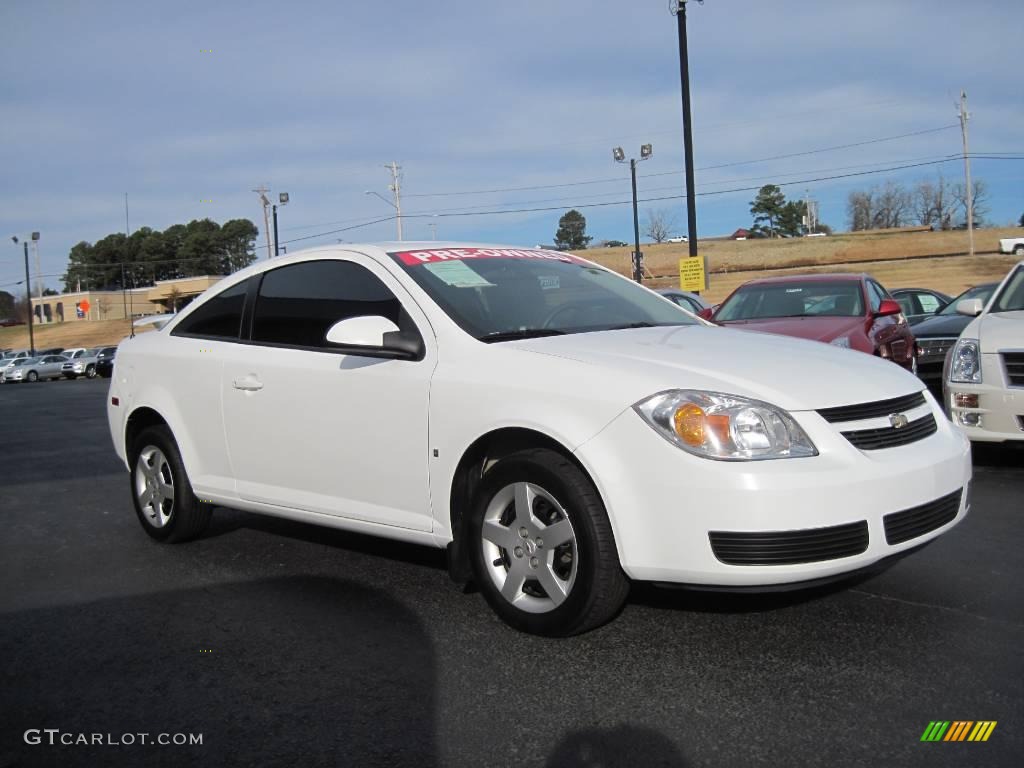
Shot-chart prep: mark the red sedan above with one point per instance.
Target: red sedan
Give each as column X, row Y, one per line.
column 851, row 311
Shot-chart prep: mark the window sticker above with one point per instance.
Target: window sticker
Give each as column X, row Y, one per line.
column 415, row 258
column 457, row 274
column 548, row 282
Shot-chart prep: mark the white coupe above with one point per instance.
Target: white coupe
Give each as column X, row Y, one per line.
column 558, row 428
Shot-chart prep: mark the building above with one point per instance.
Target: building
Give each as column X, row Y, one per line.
column 157, row 299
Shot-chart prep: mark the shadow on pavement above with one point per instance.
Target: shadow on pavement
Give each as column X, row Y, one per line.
column 625, row 745
column 295, row 672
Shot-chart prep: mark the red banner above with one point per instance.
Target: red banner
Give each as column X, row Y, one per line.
column 412, row 258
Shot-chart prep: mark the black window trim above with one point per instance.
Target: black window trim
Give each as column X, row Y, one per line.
column 208, row 337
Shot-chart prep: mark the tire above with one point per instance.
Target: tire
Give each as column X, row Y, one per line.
column 32, row 376
column 1018, row 250
column 90, row 372
column 556, row 591
column 173, row 513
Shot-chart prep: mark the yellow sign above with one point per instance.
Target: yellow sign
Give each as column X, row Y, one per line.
column 691, row 274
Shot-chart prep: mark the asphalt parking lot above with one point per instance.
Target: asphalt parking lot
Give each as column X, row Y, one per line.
column 286, row 644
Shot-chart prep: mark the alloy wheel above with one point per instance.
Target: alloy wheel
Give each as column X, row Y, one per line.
column 154, row 486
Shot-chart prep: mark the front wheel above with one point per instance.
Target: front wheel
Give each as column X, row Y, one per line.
column 164, row 502
column 90, row 372
column 542, row 547
column 32, row 376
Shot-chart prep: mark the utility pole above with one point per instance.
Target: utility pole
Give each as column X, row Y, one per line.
column 433, row 229
column 679, row 10
column 262, row 191
column 620, row 157
column 28, row 298
column 396, row 187
column 964, row 117
column 39, row 266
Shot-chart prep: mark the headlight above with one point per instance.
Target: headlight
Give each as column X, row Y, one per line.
column 965, row 364
column 842, row 341
column 729, row 427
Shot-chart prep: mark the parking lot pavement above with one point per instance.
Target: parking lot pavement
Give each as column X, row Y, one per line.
column 286, row 644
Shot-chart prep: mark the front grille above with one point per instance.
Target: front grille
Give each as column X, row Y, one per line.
column 934, row 350
column 917, row 521
column 872, row 410
column 1014, row 364
column 891, row 437
column 811, row 545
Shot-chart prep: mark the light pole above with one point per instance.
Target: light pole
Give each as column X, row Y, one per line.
column 620, row 157
column 28, row 295
column 679, row 9
column 283, row 200
column 393, row 205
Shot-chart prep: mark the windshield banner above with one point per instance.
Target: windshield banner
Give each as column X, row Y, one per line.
column 412, row 258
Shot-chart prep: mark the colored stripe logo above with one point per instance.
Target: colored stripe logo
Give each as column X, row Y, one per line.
column 958, row 730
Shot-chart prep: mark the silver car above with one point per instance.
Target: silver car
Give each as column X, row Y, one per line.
column 685, row 299
column 81, row 363
column 36, row 368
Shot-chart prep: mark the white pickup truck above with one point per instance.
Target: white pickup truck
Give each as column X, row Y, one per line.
column 1014, row 245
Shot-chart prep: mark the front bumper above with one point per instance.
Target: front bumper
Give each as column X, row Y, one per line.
column 999, row 414
column 666, row 505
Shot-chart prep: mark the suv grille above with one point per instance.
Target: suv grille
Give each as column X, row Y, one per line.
column 1014, row 364
column 891, row 437
column 872, row 410
column 790, row 547
column 917, row 521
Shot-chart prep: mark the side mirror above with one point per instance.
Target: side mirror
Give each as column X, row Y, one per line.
column 375, row 336
column 706, row 313
column 970, row 307
column 888, row 307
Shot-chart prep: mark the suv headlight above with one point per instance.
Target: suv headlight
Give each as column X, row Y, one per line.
column 726, row 427
column 965, row 362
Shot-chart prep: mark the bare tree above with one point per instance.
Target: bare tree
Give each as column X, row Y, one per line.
column 103, row 304
column 173, row 297
column 893, row 206
column 860, row 207
column 659, row 225
column 980, row 190
column 934, row 203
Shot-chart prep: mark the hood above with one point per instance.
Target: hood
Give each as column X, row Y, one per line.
column 791, row 373
column 1000, row 331
column 819, row 328
column 941, row 325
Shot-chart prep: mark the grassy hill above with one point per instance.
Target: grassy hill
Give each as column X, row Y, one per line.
column 76, row 334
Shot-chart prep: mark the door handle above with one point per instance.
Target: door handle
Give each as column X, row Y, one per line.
column 248, row 383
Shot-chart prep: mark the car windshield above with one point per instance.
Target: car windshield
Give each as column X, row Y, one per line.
column 1011, row 298
column 503, row 294
column 983, row 292
column 794, row 299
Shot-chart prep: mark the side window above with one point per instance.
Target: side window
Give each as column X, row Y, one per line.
column 876, row 294
column 929, row 303
column 220, row 317
column 299, row 303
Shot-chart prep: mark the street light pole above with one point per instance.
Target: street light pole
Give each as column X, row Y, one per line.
column 684, row 77
column 276, row 250
column 638, row 257
column 28, row 298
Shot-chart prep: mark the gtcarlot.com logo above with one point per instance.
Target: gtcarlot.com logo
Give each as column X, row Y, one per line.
column 56, row 737
column 958, row 730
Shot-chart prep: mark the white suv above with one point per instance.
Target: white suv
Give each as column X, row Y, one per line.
column 984, row 373
column 557, row 427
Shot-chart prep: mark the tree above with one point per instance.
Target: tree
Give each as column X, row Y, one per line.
column 572, row 232
column 934, row 204
column 766, row 207
column 237, row 239
column 103, row 305
column 173, row 297
column 980, row 200
column 791, row 218
column 876, row 208
column 6, row 304
column 1020, row 222
column 660, row 225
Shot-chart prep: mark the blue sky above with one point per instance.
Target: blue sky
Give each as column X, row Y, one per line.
column 314, row 98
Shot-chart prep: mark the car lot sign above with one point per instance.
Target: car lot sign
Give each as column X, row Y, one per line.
column 691, row 274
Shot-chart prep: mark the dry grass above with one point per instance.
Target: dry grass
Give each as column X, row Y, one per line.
column 733, row 262
column 83, row 333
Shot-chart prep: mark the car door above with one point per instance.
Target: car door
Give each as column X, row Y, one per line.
column 50, row 366
column 313, row 429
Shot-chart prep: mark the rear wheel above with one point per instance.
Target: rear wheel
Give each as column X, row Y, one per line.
column 1018, row 250
column 542, row 547
column 164, row 502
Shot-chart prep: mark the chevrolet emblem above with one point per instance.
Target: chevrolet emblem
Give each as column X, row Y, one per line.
column 898, row 420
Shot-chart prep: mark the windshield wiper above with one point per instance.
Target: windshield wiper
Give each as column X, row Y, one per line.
column 523, row 333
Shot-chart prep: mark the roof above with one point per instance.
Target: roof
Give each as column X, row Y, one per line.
column 829, row 278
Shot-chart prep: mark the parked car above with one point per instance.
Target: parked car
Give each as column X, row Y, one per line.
column 9, row 364
column 920, row 303
column 81, row 363
column 51, row 351
column 984, row 375
column 73, row 351
column 13, row 353
column 105, row 362
column 936, row 335
column 678, row 239
column 1014, row 245
column 850, row 311
column 36, row 368
column 685, row 299
column 557, row 427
